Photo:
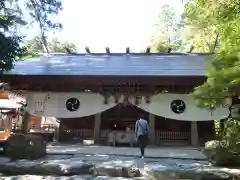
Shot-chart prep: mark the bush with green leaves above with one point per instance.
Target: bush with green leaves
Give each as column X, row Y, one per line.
column 226, row 151
column 10, row 47
column 231, row 135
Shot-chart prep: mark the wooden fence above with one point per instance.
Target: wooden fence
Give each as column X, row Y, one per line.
column 172, row 136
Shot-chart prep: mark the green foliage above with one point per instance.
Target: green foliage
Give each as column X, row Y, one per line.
column 34, row 47
column 8, row 21
column 40, row 11
column 211, row 18
column 231, row 134
column 9, row 51
column 10, row 47
column 226, row 152
column 167, row 31
column 201, row 39
column 164, row 47
column 57, row 46
column 223, row 77
column 214, row 17
column 223, row 72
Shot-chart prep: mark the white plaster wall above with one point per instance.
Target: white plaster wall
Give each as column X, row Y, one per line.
column 53, row 105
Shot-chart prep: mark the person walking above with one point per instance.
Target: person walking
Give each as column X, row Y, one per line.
column 141, row 131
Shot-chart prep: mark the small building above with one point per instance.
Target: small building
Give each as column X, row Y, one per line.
column 93, row 95
column 11, row 116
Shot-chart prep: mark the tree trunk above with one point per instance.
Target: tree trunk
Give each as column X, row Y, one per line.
column 215, row 44
column 44, row 42
column 41, row 26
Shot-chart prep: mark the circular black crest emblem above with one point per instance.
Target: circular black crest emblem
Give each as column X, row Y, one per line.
column 123, row 136
column 178, row 106
column 72, row 104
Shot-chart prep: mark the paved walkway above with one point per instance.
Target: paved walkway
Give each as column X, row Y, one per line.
column 151, row 152
column 75, row 159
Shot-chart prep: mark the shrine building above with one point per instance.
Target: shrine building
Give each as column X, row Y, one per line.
column 95, row 94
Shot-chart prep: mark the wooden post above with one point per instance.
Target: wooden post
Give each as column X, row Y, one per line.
column 60, row 130
column 152, row 128
column 97, row 127
column 25, row 121
column 56, row 133
column 194, row 133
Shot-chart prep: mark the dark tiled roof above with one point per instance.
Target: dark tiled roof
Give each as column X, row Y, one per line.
column 120, row 65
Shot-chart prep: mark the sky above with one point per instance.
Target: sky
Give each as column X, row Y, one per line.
column 113, row 23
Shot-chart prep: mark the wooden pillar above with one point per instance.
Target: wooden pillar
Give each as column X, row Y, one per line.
column 97, row 126
column 152, row 128
column 56, row 132
column 25, row 119
column 35, row 122
column 60, row 130
column 194, row 133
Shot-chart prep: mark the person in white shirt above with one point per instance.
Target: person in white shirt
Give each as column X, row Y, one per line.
column 141, row 131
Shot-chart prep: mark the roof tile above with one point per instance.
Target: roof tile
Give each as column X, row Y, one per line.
column 122, row 65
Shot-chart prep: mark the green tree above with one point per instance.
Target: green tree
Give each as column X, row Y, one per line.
column 34, row 47
column 10, row 47
column 222, row 18
column 216, row 17
column 223, row 77
column 167, row 30
column 201, row 39
column 57, row 46
column 41, row 12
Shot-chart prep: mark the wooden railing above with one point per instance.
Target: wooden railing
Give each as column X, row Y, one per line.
column 75, row 134
column 160, row 135
column 43, row 128
column 82, row 133
column 168, row 136
column 89, row 133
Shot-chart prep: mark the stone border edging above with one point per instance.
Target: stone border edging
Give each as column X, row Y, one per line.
column 118, row 171
column 125, row 155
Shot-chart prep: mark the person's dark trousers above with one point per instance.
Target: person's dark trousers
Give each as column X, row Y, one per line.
column 142, row 142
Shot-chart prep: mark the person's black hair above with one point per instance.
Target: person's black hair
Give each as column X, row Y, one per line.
column 142, row 116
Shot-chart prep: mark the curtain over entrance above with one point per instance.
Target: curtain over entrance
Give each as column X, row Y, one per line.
column 164, row 105
column 66, row 105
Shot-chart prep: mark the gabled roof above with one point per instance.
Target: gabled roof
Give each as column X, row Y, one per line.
column 113, row 64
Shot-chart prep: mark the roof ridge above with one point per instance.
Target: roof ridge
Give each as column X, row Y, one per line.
column 127, row 54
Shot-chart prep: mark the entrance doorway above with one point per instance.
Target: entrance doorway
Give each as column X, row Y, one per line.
column 118, row 123
column 121, row 117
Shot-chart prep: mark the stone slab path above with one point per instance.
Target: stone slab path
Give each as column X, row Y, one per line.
column 87, row 177
column 73, row 161
column 151, row 152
